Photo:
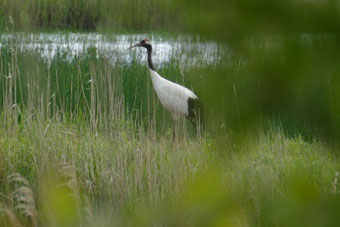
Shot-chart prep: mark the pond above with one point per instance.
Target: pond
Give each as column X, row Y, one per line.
column 185, row 49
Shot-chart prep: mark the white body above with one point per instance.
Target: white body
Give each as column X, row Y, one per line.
column 173, row 97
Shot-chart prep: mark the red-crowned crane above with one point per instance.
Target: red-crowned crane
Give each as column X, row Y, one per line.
column 179, row 100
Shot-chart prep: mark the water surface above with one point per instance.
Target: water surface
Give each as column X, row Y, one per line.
column 187, row 50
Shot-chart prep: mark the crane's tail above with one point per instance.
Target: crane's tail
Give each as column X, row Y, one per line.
column 196, row 115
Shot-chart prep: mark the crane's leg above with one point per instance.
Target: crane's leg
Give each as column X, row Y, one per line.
column 174, row 131
column 175, row 128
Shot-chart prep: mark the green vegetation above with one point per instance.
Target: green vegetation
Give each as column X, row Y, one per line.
column 66, row 175
column 84, row 140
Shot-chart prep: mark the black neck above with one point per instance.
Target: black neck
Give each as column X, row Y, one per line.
column 149, row 48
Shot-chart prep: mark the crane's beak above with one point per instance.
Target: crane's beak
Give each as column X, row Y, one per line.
column 136, row 45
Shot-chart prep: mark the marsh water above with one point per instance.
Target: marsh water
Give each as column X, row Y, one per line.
column 187, row 50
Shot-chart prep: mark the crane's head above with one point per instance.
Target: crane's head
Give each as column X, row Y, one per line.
column 144, row 43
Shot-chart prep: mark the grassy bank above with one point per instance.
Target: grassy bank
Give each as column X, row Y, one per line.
column 117, row 169
column 232, row 20
column 59, row 174
column 86, row 15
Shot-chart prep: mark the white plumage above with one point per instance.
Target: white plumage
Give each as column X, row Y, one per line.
column 174, row 97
